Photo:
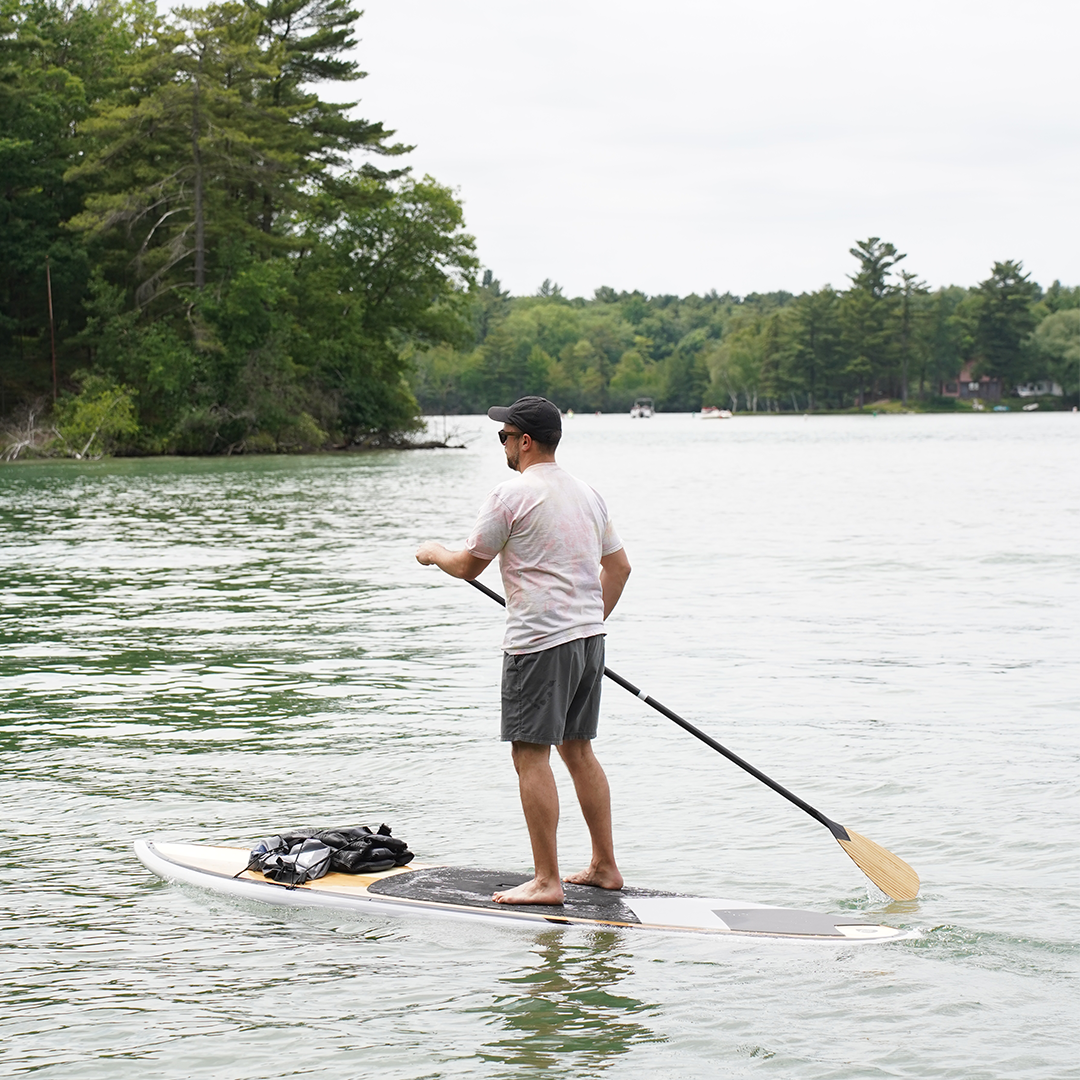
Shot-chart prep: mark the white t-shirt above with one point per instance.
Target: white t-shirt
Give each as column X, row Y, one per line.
column 550, row 531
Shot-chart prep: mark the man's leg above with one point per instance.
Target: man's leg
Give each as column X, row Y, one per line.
column 590, row 783
column 540, row 801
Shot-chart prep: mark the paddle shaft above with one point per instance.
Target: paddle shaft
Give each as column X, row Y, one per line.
column 838, row 831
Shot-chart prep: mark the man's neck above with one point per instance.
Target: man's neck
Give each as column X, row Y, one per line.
column 527, row 461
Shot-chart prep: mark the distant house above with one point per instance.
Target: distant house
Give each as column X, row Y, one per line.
column 1042, row 388
column 985, row 388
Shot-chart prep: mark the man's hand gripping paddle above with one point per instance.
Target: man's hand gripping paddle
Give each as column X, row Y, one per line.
column 887, row 871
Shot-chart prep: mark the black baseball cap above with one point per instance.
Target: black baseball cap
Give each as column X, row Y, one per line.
column 536, row 416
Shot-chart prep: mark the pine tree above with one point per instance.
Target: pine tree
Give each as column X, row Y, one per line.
column 911, row 291
column 216, row 144
column 868, row 319
column 1005, row 320
column 816, row 333
column 56, row 60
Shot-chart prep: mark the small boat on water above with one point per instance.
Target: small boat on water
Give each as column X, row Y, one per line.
column 711, row 412
column 642, row 409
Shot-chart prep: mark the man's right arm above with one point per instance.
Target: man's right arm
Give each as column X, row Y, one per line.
column 614, row 570
column 460, row 564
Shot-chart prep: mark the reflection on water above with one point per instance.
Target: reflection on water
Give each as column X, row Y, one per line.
column 561, row 1013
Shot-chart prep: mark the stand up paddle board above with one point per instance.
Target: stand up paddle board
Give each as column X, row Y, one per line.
column 466, row 894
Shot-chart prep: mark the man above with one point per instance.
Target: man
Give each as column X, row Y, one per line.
column 563, row 570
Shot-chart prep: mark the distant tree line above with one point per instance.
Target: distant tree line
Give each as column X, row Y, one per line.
column 200, row 254
column 885, row 336
column 229, row 268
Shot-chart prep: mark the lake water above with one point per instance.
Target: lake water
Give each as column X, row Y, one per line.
column 880, row 613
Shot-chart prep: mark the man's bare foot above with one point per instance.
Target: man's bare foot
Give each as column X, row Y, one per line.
column 598, row 877
column 531, row 892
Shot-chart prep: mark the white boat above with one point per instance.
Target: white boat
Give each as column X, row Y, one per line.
column 642, row 409
column 711, row 412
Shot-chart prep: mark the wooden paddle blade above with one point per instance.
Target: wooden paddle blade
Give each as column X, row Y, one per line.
column 887, row 871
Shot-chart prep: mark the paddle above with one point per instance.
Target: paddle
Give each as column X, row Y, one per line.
column 887, row 871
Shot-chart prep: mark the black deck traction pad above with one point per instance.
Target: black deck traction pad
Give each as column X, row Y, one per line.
column 473, row 888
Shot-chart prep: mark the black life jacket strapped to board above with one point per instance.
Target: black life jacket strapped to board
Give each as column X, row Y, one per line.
column 301, row 855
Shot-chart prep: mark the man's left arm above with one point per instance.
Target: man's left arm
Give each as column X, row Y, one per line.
column 614, row 570
column 460, row 564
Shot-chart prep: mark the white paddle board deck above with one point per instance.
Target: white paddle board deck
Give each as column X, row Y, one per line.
column 466, row 893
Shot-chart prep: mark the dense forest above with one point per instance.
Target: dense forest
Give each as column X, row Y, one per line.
column 201, row 254
column 218, row 258
column 884, row 337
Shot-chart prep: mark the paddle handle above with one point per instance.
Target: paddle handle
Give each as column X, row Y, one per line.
column 837, row 830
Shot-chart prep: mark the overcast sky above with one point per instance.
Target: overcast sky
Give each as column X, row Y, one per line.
column 694, row 144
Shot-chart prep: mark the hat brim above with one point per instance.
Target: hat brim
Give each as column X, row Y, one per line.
column 499, row 413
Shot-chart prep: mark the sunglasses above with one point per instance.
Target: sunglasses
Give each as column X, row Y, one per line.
column 504, row 435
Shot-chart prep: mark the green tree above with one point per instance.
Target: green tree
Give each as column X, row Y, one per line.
column 868, row 315
column 1005, row 319
column 775, row 362
column 911, row 293
column 685, row 374
column 634, row 376
column 101, row 413
column 1060, row 298
column 490, row 304
column 550, row 290
column 734, row 364
column 815, row 342
column 157, row 155
column 56, row 60
column 1055, row 349
column 388, row 279
column 215, row 139
column 946, row 339
column 127, row 350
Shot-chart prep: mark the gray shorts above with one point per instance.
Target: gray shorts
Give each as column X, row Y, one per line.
column 553, row 695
